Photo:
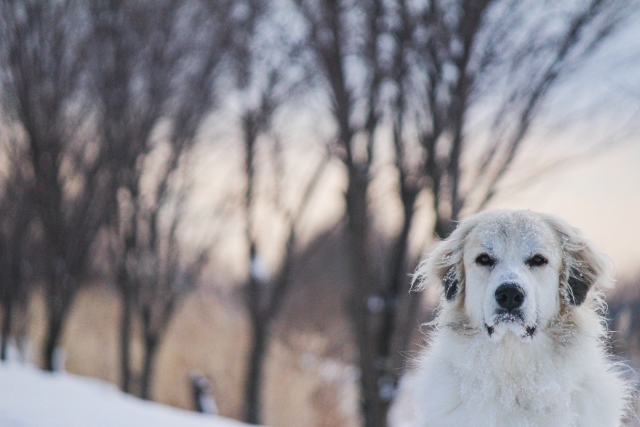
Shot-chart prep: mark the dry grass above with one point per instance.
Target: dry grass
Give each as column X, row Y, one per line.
column 209, row 335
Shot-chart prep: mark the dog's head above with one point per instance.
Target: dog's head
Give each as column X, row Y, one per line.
column 514, row 271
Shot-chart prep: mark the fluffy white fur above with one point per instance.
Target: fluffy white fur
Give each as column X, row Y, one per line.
column 547, row 366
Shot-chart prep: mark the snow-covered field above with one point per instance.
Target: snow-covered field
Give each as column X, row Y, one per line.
column 32, row 398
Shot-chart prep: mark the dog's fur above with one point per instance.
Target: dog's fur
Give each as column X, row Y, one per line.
column 543, row 365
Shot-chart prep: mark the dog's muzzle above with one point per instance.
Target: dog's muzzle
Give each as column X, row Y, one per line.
column 510, row 297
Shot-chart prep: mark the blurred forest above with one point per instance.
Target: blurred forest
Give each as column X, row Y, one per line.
column 218, row 204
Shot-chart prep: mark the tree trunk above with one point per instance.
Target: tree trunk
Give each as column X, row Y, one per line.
column 6, row 328
column 370, row 403
column 364, row 288
column 253, row 378
column 396, row 287
column 54, row 331
column 151, row 347
column 125, row 341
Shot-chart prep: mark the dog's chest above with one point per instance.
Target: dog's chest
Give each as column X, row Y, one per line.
column 502, row 385
column 506, row 380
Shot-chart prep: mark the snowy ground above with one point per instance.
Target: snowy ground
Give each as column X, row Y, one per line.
column 32, row 398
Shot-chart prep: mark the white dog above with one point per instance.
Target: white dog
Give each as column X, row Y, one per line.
column 519, row 338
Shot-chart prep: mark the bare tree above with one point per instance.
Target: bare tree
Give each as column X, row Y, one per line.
column 623, row 315
column 265, row 292
column 503, row 59
column 43, row 80
column 163, row 278
column 126, row 121
column 425, row 67
column 16, row 207
column 335, row 36
column 161, row 63
column 264, row 295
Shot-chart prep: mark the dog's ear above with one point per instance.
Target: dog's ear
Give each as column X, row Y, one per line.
column 443, row 266
column 451, row 283
column 583, row 266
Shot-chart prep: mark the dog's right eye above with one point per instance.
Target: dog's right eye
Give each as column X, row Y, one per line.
column 536, row 261
column 485, row 260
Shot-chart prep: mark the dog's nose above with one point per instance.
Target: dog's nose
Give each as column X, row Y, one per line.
column 509, row 296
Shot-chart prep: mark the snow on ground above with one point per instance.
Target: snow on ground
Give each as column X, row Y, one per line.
column 33, row 398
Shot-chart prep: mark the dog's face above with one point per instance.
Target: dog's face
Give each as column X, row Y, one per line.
column 514, row 271
column 512, row 266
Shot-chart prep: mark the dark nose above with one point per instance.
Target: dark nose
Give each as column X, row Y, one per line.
column 509, row 296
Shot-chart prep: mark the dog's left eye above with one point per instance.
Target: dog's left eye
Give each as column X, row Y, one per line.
column 485, row 260
column 536, row 261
